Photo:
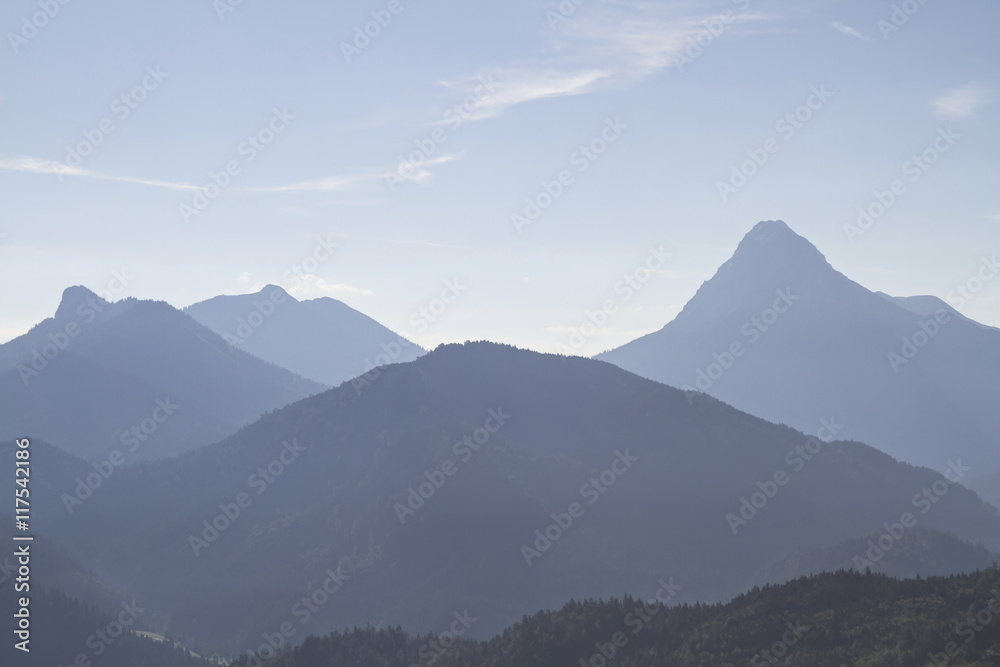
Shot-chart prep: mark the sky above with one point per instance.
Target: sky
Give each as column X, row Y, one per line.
column 523, row 159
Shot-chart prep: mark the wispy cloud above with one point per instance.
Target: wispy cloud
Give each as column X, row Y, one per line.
column 51, row 167
column 408, row 171
column 525, row 84
column 961, row 103
column 405, row 171
column 848, row 30
column 610, row 46
column 335, row 183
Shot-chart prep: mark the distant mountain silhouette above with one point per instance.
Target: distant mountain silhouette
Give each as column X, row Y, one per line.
column 987, row 486
column 929, row 305
column 321, row 339
column 920, row 552
column 138, row 377
column 403, row 488
column 781, row 334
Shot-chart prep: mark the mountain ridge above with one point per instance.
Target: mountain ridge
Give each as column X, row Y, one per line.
column 352, row 459
column 909, row 384
column 322, row 339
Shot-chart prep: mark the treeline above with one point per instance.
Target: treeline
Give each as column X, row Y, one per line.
column 841, row 618
column 65, row 631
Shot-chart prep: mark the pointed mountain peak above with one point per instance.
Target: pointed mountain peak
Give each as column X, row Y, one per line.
column 72, row 298
column 771, row 237
column 770, row 257
column 772, row 248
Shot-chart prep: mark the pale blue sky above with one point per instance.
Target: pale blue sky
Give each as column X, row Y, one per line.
column 555, row 88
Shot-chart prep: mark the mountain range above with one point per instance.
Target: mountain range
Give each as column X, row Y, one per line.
column 139, row 378
column 781, row 334
column 322, row 339
column 482, row 476
column 256, row 462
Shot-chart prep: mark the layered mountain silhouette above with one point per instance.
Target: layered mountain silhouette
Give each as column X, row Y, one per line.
column 69, row 606
column 137, row 377
column 781, row 334
column 987, row 486
column 486, row 478
column 321, row 339
column 920, row 552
